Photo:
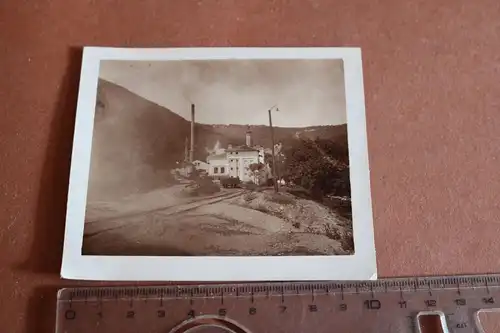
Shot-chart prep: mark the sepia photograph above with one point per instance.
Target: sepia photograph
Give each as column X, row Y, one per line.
column 220, row 157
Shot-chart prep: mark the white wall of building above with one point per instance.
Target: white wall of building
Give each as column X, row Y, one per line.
column 218, row 167
column 236, row 163
column 239, row 162
column 200, row 165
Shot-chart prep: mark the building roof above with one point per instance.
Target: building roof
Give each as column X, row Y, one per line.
column 241, row 148
column 217, row 157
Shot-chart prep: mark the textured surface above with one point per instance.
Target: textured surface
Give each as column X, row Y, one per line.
column 432, row 97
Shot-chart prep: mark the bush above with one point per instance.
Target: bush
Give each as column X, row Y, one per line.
column 320, row 166
column 299, row 192
column 339, row 204
column 203, row 186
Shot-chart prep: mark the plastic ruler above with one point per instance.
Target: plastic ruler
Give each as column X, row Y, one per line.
column 433, row 304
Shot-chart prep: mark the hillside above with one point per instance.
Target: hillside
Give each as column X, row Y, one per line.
column 136, row 142
column 235, row 134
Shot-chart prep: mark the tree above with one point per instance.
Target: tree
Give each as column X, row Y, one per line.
column 320, row 166
column 280, row 163
column 257, row 170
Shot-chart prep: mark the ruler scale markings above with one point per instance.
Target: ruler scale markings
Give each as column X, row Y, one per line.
column 104, row 293
column 441, row 288
column 226, row 290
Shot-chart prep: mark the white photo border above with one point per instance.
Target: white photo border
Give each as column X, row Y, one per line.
column 359, row 266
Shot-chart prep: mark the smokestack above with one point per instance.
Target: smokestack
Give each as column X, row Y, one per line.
column 191, row 150
column 248, row 137
column 186, row 150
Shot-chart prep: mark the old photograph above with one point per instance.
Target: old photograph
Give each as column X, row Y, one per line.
column 227, row 158
column 219, row 157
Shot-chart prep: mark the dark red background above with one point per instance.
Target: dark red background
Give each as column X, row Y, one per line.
column 432, row 81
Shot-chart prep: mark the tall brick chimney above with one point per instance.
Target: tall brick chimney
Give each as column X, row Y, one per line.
column 248, row 137
column 191, row 150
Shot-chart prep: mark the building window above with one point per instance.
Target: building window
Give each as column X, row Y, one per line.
column 222, row 170
column 216, row 170
column 236, row 153
column 232, row 168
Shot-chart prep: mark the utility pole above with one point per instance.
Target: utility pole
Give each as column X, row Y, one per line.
column 275, row 178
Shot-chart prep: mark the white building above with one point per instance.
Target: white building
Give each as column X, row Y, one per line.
column 218, row 165
column 235, row 161
column 239, row 161
column 202, row 166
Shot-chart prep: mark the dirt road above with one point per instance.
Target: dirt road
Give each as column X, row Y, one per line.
column 125, row 219
column 208, row 226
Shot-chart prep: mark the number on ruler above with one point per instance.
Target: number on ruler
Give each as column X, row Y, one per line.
column 430, row 302
column 373, row 304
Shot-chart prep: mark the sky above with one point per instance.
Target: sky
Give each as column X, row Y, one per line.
column 306, row 92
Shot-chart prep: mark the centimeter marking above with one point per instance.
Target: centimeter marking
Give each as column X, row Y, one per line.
column 253, row 290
